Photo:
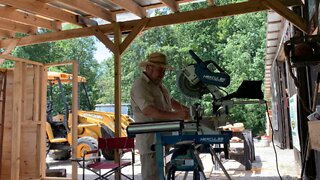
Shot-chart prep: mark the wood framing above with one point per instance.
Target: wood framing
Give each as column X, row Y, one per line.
column 181, row 17
column 17, row 27
column 291, row 16
column 173, row 5
column 74, row 118
column 43, row 9
column 8, row 49
column 117, row 89
column 133, row 34
column 10, row 13
column 22, row 135
column 90, row 8
column 131, row 6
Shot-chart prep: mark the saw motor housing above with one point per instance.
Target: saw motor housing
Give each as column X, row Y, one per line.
column 198, row 79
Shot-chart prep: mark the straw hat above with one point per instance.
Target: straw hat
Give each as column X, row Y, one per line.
column 156, row 59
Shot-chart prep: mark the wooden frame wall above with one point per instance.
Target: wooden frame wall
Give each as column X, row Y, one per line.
column 23, row 122
column 39, row 117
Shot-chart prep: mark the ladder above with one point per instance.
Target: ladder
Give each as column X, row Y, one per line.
column 3, row 82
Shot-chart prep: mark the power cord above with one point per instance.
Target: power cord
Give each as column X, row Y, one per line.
column 274, row 147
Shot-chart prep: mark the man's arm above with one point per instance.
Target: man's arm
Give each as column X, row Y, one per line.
column 153, row 112
column 178, row 106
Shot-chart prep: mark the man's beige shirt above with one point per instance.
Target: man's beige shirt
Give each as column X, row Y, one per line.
column 144, row 93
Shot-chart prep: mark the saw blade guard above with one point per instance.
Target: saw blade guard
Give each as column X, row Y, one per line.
column 197, row 79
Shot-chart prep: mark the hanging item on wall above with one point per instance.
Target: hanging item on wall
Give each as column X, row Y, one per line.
column 303, row 50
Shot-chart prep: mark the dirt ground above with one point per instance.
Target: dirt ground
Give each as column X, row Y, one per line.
column 264, row 167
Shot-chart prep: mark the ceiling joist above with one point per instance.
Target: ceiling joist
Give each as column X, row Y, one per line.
column 43, row 9
column 17, row 27
column 10, row 13
column 173, row 5
column 90, row 8
column 131, row 6
column 6, row 34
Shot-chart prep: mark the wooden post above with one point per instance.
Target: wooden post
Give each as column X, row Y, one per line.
column 74, row 118
column 117, row 85
column 16, row 121
column 44, row 84
column 36, row 116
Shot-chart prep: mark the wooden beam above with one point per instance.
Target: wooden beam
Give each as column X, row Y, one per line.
column 117, row 90
column 131, row 6
column 43, row 9
column 211, row 3
column 12, row 58
column 6, row 34
column 55, row 64
column 173, row 5
column 17, row 27
column 37, row 119
column 46, row 1
column 8, row 49
column 18, row 105
column 43, row 116
column 133, row 34
column 90, row 8
column 10, row 13
column 181, row 17
column 291, row 16
column 74, row 118
column 104, row 39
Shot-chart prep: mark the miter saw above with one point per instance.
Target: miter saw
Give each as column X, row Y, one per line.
column 205, row 77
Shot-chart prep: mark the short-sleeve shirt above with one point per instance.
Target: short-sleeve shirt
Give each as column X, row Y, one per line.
column 143, row 94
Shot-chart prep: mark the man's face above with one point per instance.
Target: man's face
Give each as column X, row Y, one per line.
column 157, row 73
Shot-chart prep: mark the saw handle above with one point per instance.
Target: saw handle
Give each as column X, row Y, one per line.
column 198, row 60
column 195, row 57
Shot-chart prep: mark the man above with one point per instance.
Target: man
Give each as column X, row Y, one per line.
column 151, row 102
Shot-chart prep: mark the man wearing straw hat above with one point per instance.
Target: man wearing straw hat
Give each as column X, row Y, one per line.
column 152, row 102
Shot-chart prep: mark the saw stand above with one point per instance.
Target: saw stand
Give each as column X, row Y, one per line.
column 187, row 146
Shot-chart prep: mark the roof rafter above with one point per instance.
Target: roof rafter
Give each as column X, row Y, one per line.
column 90, row 8
column 17, row 27
column 291, row 16
column 6, row 34
column 131, row 6
column 43, row 9
column 173, row 5
column 11, row 13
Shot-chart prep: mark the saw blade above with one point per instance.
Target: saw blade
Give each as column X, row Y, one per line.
column 188, row 89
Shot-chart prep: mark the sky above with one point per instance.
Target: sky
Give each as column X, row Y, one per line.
column 102, row 52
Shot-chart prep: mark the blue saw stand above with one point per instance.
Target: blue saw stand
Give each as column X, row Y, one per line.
column 189, row 143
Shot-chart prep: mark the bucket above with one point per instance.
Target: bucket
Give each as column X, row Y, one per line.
column 265, row 141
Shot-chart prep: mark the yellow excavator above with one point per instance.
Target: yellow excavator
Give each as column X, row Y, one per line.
column 91, row 124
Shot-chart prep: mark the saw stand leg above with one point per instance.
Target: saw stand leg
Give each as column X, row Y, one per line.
column 217, row 159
